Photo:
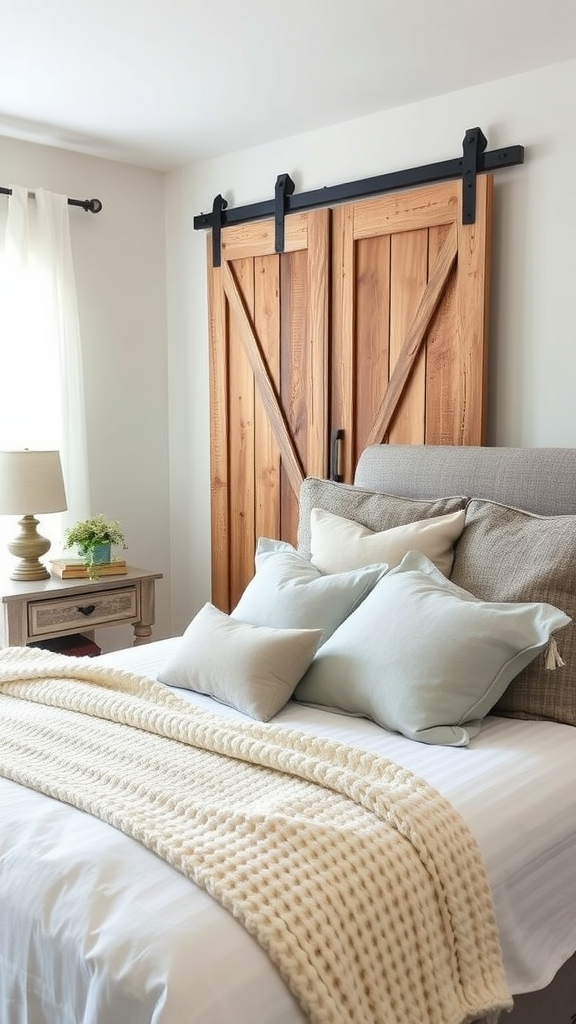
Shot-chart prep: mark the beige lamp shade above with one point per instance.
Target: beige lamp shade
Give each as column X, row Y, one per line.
column 30, row 481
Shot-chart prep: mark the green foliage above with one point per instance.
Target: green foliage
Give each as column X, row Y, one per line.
column 89, row 533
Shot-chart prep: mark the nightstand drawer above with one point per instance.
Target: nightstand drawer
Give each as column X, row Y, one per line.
column 72, row 613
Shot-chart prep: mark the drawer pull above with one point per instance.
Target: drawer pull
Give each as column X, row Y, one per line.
column 86, row 609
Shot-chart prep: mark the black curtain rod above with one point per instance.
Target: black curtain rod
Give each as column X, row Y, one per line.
column 90, row 205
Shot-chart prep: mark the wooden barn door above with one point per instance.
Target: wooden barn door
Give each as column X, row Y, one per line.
column 409, row 327
column 403, row 359
column 269, row 387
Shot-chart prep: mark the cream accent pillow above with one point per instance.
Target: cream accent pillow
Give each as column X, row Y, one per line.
column 339, row 544
column 287, row 592
column 374, row 509
column 251, row 668
column 425, row 658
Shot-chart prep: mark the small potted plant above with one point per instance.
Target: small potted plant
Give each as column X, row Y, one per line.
column 95, row 539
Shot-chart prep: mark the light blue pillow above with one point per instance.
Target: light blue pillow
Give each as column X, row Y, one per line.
column 251, row 668
column 288, row 592
column 423, row 657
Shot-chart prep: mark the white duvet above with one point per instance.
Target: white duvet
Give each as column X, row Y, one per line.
column 95, row 929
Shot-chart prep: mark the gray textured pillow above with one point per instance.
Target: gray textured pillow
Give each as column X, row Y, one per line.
column 369, row 508
column 425, row 658
column 288, row 592
column 251, row 668
column 505, row 554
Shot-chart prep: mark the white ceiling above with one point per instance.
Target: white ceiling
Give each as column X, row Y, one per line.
column 162, row 83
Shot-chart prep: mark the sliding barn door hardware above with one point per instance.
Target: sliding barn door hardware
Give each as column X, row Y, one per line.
column 474, row 144
column 474, row 161
column 218, row 207
column 283, row 189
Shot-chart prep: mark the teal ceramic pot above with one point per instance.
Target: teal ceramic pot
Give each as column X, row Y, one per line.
column 101, row 554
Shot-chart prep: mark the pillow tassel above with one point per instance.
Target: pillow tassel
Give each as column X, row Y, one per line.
column 553, row 658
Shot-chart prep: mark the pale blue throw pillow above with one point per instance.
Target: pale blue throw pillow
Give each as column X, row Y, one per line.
column 288, row 592
column 423, row 657
column 251, row 668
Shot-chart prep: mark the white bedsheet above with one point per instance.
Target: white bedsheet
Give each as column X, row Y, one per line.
column 113, row 935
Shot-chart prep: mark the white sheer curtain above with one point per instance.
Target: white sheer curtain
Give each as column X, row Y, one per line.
column 41, row 381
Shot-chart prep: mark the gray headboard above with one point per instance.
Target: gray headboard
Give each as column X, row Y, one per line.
column 541, row 480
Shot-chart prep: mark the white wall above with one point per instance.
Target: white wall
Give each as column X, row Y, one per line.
column 533, row 343
column 119, row 259
column 146, row 362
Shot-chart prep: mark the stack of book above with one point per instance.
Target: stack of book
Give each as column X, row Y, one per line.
column 76, row 569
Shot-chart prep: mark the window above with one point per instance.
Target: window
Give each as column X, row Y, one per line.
column 41, row 386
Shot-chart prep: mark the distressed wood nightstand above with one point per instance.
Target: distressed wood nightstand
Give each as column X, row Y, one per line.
column 53, row 608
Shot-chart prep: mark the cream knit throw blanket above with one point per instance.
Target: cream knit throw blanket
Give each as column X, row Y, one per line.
column 363, row 885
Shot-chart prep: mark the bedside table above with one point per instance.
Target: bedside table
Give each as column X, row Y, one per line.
column 51, row 608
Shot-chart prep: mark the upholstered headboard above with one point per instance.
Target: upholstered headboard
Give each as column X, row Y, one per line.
column 541, row 480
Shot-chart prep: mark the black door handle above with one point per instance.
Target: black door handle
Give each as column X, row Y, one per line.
column 337, row 436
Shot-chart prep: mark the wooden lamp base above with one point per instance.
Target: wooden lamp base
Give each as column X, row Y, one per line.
column 27, row 546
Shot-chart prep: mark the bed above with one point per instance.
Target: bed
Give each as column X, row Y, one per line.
column 100, row 928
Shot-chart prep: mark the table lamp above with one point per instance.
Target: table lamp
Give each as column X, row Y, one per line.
column 29, row 481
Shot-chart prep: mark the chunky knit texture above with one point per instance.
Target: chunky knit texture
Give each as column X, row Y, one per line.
column 363, row 885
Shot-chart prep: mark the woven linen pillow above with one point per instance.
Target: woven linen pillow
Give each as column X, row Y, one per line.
column 505, row 554
column 423, row 657
column 369, row 508
column 251, row 668
column 288, row 592
column 338, row 544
